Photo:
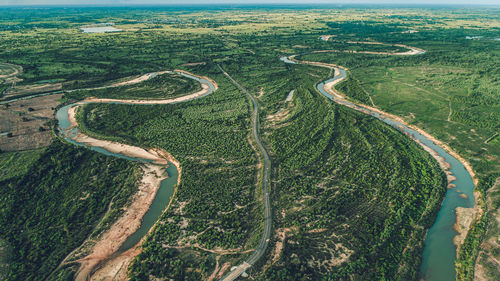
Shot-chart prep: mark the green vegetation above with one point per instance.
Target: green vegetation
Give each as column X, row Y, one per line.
column 486, row 228
column 215, row 207
column 351, row 88
column 333, row 194
column 52, row 208
column 159, row 87
column 15, row 164
column 353, row 196
column 5, row 252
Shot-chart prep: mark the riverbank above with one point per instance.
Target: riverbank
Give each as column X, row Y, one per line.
column 107, row 260
column 205, row 90
column 464, row 217
column 114, row 147
column 115, row 267
column 111, row 240
column 103, row 263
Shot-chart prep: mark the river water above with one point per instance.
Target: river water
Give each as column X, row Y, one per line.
column 167, row 185
column 438, row 258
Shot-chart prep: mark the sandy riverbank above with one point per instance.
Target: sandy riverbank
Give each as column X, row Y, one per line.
column 126, row 225
column 115, row 147
column 100, row 264
column 110, row 242
column 205, row 89
column 116, row 268
column 202, row 77
column 464, row 216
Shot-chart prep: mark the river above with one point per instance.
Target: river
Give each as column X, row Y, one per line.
column 439, row 254
column 439, row 251
column 167, row 186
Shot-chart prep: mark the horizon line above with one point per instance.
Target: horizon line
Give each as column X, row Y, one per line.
column 291, row 4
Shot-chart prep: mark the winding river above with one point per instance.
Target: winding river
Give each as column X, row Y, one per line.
column 167, row 186
column 439, row 254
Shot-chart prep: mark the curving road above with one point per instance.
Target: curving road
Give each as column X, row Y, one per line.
column 266, row 234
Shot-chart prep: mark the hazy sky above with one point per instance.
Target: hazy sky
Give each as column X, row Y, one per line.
column 138, row 2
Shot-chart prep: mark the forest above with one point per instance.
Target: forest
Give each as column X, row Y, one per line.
column 57, row 203
column 352, row 198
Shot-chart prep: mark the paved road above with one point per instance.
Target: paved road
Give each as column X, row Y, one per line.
column 266, row 235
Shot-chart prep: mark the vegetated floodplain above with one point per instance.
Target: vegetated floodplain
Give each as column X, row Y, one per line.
column 55, row 205
column 447, row 93
column 215, row 214
column 338, row 212
column 334, row 168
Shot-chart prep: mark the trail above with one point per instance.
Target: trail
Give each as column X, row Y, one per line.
column 266, row 234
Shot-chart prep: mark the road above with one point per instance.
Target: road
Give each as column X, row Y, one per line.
column 266, row 234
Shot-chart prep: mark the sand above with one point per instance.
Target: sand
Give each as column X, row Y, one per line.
column 157, row 156
column 100, row 264
column 125, row 226
column 139, row 79
column 465, row 216
column 205, row 89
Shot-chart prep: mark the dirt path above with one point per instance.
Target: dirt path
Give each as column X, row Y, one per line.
column 17, row 70
column 449, row 114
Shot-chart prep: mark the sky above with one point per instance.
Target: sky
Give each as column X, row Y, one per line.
column 184, row 2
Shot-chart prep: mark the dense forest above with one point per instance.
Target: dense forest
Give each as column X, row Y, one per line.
column 52, row 208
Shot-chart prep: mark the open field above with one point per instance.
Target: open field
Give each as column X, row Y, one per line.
column 27, row 124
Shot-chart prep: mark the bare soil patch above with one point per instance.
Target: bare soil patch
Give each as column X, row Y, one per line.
column 27, row 121
column 194, row 63
column 9, row 72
